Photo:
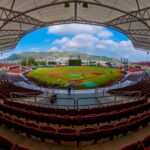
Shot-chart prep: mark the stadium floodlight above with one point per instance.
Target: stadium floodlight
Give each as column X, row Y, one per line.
column 67, row 5
column 85, row 5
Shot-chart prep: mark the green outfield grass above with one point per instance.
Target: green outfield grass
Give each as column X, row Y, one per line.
column 83, row 77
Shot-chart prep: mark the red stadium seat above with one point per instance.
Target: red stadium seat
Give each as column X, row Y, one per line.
column 146, row 141
column 47, row 132
column 87, row 134
column 66, row 134
column 106, row 130
column 6, row 144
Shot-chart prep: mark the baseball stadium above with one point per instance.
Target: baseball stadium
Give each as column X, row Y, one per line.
column 58, row 96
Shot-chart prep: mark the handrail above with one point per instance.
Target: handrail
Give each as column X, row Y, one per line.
column 76, row 102
column 102, row 104
column 112, row 102
column 122, row 93
column 23, row 93
column 47, row 104
column 48, row 97
column 108, row 103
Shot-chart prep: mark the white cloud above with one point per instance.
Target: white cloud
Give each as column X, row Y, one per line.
column 73, row 29
column 90, row 53
column 92, row 39
column 54, row 49
column 105, row 34
column 61, row 41
column 86, row 41
column 100, row 46
column 85, row 38
column 94, row 45
column 35, row 49
column 110, row 43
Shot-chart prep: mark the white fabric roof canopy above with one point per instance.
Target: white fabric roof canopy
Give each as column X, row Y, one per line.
column 18, row 17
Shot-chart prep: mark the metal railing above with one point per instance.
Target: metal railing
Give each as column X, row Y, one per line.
column 47, row 98
column 76, row 103
column 113, row 99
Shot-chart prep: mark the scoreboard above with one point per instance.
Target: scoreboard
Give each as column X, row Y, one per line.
column 75, row 61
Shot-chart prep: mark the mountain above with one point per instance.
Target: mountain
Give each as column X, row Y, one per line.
column 42, row 55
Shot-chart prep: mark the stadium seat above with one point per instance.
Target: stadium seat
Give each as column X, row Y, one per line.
column 47, row 132
column 32, row 129
column 6, row 144
column 87, row 134
column 121, row 127
column 146, row 141
column 93, row 118
column 79, row 120
column 66, row 120
column 66, row 134
column 133, row 146
column 53, row 119
column 106, row 130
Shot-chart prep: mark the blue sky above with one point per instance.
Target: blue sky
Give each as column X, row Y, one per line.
column 95, row 40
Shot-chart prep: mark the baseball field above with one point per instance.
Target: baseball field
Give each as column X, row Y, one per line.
column 82, row 77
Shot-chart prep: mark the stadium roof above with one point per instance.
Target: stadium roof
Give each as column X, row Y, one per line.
column 18, row 17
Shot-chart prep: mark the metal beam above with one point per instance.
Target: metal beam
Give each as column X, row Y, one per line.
column 6, row 14
column 73, row 1
column 4, row 33
column 7, row 47
column 143, row 32
column 9, row 15
column 142, row 14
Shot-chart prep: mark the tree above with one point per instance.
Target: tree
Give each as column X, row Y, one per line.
column 29, row 61
column 41, row 62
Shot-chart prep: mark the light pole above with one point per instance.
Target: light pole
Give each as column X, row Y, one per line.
column 147, row 56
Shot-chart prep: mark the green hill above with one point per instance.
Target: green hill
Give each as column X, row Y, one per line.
column 42, row 55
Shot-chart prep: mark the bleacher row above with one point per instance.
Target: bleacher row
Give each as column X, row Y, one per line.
column 7, row 65
column 14, row 115
column 143, row 64
column 6, row 87
column 133, row 69
column 62, row 116
column 139, row 145
column 7, row 144
column 60, row 124
column 136, row 76
column 15, row 70
column 141, row 86
column 47, row 132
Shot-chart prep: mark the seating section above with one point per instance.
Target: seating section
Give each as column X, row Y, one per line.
column 136, row 76
column 143, row 64
column 15, row 70
column 133, row 69
column 73, row 117
column 142, row 87
column 14, row 116
column 140, row 145
column 8, row 65
column 6, row 144
column 6, row 86
column 62, row 124
column 107, row 130
column 27, row 122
